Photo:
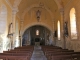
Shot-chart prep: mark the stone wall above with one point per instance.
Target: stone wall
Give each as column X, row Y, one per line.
column 70, row 43
column 4, row 43
column 1, row 44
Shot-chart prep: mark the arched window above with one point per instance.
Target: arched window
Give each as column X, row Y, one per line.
column 37, row 32
column 3, row 26
column 58, row 26
column 73, row 23
column 3, row 19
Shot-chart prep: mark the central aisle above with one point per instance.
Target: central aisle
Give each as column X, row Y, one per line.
column 38, row 54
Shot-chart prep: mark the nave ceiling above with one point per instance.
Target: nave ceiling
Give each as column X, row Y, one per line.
column 25, row 5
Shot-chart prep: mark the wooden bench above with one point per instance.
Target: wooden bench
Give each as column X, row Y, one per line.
column 21, row 53
column 66, row 57
column 9, row 57
column 61, row 54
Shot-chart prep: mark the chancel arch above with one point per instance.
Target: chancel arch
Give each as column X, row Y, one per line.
column 32, row 24
column 44, row 35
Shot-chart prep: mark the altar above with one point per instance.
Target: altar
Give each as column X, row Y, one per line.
column 37, row 41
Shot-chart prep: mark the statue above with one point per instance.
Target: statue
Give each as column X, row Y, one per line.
column 65, row 29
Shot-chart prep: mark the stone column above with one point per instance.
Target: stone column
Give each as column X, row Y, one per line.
column 21, row 31
column 14, row 11
column 54, row 40
column 62, row 29
column 29, row 37
column 46, row 40
column 51, row 38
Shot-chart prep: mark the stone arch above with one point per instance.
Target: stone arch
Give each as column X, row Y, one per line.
column 9, row 3
column 36, row 5
column 16, row 3
column 58, row 2
column 33, row 24
column 51, row 42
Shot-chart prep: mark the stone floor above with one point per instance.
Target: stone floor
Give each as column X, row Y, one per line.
column 38, row 54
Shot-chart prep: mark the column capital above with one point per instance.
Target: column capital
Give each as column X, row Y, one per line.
column 14, row 10
column 61, row 11
column 21, row 20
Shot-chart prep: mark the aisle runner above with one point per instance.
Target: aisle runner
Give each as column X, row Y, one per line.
column 38, row 54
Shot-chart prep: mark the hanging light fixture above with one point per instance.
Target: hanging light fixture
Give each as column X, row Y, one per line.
column 38, row 13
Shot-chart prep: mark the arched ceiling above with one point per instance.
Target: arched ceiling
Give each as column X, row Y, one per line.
column 42, row 3
column 51, row 5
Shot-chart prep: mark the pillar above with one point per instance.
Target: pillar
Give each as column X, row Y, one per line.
column 62, row 29
column 21, row 31
column 14, row 11
column 54, row 40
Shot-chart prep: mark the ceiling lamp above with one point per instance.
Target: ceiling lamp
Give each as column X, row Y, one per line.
column 38, row 14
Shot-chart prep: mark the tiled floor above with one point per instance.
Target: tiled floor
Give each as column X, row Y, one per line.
column 38, row 54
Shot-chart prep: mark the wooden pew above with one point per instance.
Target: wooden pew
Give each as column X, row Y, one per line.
column 24, row 47
column 16, row 54
column 22, row 52
column 75, row 54
column 61, row 57
column 9, row 57
column 66, row 57
column 53, row 52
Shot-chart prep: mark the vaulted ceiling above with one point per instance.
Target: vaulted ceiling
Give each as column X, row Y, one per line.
column 26, row 5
